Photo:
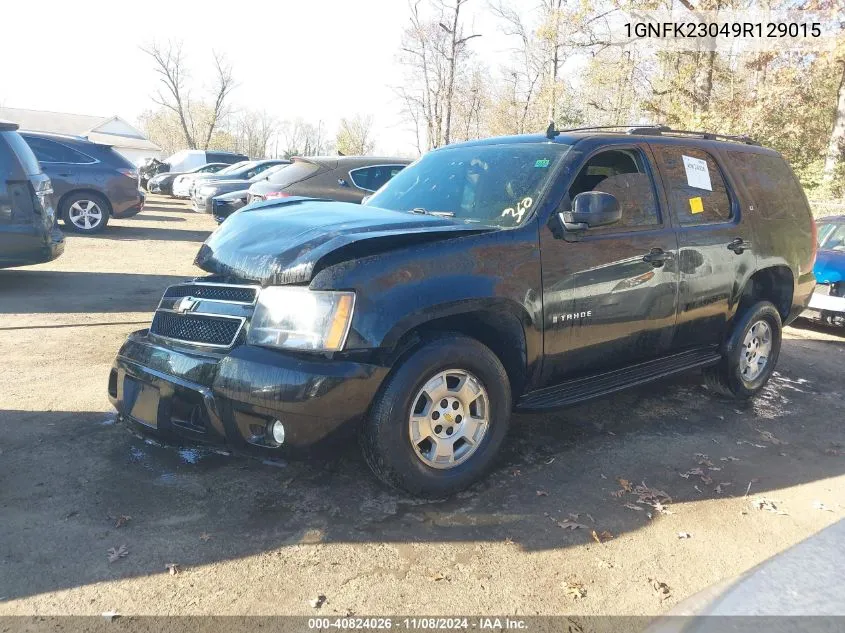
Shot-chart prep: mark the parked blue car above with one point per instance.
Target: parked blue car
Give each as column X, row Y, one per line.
column 828, row 301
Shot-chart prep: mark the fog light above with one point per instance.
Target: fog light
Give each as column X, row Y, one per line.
column 277, row 430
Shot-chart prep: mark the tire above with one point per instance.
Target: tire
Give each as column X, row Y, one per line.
column 386, row 434
column 732, row 377
column 86, row 213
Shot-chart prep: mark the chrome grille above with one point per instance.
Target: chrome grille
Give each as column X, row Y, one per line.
column 196, row 328
column 215, row 292
column 204, row 313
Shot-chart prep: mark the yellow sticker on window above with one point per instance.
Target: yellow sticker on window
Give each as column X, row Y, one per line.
column 695, row 205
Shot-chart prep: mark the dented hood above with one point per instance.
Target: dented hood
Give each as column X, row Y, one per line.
column 285, row 242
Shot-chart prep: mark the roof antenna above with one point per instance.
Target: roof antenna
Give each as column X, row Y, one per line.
column 551, row 132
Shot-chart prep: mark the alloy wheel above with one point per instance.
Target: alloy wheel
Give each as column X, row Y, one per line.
column 449, row 418
column 757, row 347
column 85, row 214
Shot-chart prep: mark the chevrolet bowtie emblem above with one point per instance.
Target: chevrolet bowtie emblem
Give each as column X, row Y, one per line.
column 186, row 304
column 448, row 417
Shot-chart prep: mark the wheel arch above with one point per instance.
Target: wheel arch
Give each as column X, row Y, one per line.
column 775, row 284
column 84, row 190
column 505, row 332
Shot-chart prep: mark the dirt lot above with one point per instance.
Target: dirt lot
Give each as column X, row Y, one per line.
column 259, row 538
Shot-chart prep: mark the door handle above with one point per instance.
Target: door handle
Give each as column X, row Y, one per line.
column 739, row 246
column 657, row 257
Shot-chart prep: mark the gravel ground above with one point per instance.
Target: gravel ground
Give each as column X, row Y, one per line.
column 266, row 538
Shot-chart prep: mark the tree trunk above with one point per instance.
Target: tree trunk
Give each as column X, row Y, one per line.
column 836, row 145
column 450, row 86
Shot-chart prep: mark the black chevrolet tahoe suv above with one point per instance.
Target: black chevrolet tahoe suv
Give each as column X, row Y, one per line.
column 520, row 273
column 28, row 233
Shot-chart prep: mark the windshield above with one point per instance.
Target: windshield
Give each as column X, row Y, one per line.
column 495, row 185
column 832, row 237
column 267, row 173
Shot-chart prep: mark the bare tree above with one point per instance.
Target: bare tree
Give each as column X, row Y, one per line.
column 434, row 53
column 253, row 132
column 175, row 96
column 224, row 84
column 457, row 42
column 354, row 136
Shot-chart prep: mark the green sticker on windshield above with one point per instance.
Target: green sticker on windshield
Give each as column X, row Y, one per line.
column 542, row 162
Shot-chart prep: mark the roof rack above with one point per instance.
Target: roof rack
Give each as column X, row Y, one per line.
column 653, row 130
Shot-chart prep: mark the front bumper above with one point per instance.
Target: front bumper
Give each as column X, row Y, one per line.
column 229, row 399
column 201, row 204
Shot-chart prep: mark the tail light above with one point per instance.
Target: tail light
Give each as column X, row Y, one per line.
column 276, row 194
column 129, row 173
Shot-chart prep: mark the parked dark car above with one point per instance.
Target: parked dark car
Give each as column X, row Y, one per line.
column 91, row 181
column 828, row 301
column 343, row 178
column 163, row 182
column 224, row 205
column 28, row 232
column 253, row 172
column 527, row 272
column 185, row 160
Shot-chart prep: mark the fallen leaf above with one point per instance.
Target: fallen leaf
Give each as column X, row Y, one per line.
column 768, row 437
column 741, row 442
column 595, row 537
column 714, row 468
column 699, row 489
column 703, row 460
column 173, row 568
column 115, row 554
column 575, row 590
column 631, row 506
column 592, row 520
column 603, row 476
column 205, row 536
column 650, row 495
column 574, row 516
column 516, row 472
column 721, row 486
column 706, row 480
column 605, row 535
column 122, row 520
column 729, row 458
column 626, row 485
column 317, row 602
column 549, row 460
column 661, row 588
column 566, row 524
column 684, row 535
column 761, row 503
column 542, row 493
column 818, row 505
column 618, row 493
column 661, row 508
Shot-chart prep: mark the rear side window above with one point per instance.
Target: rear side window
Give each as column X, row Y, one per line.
column 23, row 152
column 47, row 151
column 694, row 184
column 372, row 178
column 771, row 184
column 293, row 173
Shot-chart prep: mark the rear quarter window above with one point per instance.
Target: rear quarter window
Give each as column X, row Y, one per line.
column 770, row 183
column 22, row 151
column 694, row 183
column 294, row 173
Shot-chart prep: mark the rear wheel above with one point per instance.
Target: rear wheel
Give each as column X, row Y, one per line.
column 750, row 354
column 440, row 419
column 85, row 212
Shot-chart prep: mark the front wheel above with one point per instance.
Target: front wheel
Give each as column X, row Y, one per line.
column 750, row 354
column 438, row 422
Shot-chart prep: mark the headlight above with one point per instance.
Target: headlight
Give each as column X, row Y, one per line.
column 292, row 317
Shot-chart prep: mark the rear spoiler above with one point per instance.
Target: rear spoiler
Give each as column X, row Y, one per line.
column 7, row 126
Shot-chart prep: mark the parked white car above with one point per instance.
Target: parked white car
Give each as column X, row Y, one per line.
column 184, row 183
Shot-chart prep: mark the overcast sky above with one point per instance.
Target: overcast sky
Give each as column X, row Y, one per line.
column 317, row 59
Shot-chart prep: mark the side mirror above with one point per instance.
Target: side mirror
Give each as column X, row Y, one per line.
column 591, row 209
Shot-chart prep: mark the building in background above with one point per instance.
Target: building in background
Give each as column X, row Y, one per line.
column 125, row 138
